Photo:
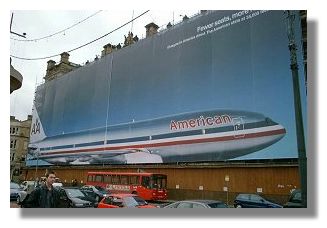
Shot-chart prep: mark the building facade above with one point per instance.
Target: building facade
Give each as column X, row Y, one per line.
column 19, row 139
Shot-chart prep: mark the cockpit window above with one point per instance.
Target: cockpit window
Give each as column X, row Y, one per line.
column 270, row 122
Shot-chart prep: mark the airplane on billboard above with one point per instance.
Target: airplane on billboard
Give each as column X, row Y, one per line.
column 195, row 136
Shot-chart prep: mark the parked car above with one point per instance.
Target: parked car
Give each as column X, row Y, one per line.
column 16, row 192
column 197, row 204
column 295, row 199
column 97, row 192
column 57, row 183
column 74, row 197
column 124, row 200
column 253, row 200
column 29, row 186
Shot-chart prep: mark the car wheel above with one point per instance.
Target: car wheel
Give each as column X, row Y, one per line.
column 18, row 200
column 238, row 206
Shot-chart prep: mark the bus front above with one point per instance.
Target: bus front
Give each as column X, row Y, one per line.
column 158, row 184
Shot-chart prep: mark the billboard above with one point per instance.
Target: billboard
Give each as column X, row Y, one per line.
column 215, row 87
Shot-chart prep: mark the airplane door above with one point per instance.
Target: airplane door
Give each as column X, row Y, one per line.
column 238, row 126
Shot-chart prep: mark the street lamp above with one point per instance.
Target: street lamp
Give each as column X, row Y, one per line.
column 34, row 151
column 298, row 109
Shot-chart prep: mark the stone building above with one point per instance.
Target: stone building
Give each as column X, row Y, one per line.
column 19, row 139
column 63, row 67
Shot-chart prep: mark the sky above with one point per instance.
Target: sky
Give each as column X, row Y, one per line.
column 33, row 71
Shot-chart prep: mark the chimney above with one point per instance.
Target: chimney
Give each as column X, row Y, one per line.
column 29, row 117
column 107, row 49
column 151, row 29
column 64, row 57
column 51, row 64
column 185, row 18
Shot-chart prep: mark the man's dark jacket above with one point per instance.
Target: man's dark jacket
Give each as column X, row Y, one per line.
column 38, row 198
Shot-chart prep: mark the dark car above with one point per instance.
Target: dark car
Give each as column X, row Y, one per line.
column 253, row 200
column 295, row 199
column 74, row 197
column 96, row 192
column 197, row 204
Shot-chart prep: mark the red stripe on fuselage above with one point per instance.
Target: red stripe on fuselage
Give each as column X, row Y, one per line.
column 174, row 143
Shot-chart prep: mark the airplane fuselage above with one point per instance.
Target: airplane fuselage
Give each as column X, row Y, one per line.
column 196, row 136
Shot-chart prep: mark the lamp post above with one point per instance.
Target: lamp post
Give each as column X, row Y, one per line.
column 34, row 151
column 297, row 106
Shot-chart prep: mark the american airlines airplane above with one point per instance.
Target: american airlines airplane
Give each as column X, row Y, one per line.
column 195, row 136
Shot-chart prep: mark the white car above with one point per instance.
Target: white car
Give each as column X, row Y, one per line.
column 57, row 184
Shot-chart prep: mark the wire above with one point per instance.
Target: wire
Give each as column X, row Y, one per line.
column 74, row 49
column 63, row 30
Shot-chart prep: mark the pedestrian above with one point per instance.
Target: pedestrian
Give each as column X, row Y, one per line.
column 44, row 196
column 74, row 183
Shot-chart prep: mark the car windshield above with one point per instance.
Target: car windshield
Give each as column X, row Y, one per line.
column 134, row 201
column 14, row 186
column 101, row 189
column 297, row 196
column 76, row 193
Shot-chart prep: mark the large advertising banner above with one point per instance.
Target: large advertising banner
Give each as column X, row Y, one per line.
column 215, row 87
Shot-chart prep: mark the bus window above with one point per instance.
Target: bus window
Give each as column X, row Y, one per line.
column 98, row 178
column 146, row 182
column 107, row 179
column 90, row 178
column 115, row 179
column 134, row 180
column 124, row 179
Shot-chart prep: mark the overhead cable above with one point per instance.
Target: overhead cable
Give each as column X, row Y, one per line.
column 63, row 30
column 74, row 49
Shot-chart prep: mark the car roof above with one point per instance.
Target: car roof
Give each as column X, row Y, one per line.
column 121, row 194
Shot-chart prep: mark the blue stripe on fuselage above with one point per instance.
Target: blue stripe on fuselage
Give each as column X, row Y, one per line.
column 229, row 128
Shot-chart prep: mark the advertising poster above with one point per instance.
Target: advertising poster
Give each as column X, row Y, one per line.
column 215, row 87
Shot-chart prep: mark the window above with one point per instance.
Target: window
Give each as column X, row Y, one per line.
column 13, row 143
column 98, row 178
column 90, row 178
column 184, row 205
column 14, row 130
column 297, row 197
column 197, row 205
column 107, row 179
column 108, row 200
column 134, row 180
column 256, row 198
column 146, row 181
column 13, row 157
column 124, row 179
column 115, row 179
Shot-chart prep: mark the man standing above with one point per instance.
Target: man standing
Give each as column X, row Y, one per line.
column 44, row 196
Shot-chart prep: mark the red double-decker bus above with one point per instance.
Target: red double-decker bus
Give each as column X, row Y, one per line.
column 149, row 186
